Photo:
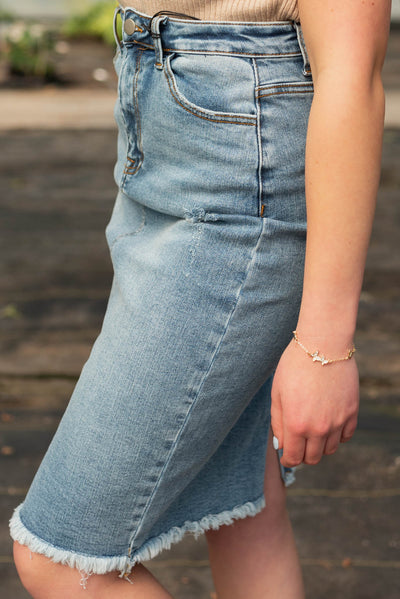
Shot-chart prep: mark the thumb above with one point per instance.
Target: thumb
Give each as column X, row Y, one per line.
column 276, row 414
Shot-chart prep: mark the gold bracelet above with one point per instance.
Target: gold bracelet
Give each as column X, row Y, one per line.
column 320, row 358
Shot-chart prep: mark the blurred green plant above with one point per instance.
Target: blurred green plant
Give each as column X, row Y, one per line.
column 95, row 21
column 29, row 49
column 5, row 16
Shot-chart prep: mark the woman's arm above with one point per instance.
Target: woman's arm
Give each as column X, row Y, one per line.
column 314, row 406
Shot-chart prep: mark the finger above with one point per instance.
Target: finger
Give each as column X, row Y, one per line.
column 276, row 417
column 314, row 449
column 293, row 449
column 348, row 429
column 332, row 442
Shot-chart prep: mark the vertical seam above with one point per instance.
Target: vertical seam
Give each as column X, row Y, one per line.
column 258, row 132
column 137, row 111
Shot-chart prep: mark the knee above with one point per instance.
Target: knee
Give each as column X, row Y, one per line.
column 21, row 561
column 31, row 568
column 45, row 579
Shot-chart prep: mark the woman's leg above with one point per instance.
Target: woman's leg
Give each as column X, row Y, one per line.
column 257, row 557
column 44, row 579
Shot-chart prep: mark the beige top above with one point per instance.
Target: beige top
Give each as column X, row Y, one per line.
column 222, row 10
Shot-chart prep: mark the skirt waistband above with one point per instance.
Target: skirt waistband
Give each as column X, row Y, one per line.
column 171, row 32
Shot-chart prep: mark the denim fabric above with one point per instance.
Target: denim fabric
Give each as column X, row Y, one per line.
column 166, row 430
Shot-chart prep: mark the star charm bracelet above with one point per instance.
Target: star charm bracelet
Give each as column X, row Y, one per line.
column 317, row 357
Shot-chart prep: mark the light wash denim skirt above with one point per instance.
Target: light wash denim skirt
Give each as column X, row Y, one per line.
column 166, row 430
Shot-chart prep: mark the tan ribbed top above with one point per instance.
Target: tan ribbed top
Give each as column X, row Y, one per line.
column 222, row 10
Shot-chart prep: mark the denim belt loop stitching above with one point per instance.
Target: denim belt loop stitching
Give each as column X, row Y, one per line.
column 155, row 34
column 117, row 11
column 302, row 44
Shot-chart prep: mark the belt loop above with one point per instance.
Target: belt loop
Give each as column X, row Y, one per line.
column 302, row 44
column 155, row 34
column 117, row 11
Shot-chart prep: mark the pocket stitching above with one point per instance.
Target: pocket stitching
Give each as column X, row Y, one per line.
column 303, row 87
column 130, row 233
column 120, row 93
column 138, row 128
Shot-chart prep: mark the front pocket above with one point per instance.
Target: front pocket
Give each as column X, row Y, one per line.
column 213, row 87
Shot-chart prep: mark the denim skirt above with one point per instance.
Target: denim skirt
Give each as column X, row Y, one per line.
column 166, row 430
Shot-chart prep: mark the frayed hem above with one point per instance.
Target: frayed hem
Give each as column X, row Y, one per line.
column 88, row 565
column 154, row 546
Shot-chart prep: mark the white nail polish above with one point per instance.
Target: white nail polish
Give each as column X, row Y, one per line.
column 275, row 442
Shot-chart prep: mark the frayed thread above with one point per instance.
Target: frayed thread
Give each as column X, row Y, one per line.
column 84, row 578
column 126, row 573
column 88, row 565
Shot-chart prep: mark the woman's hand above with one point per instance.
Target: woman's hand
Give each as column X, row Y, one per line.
column 314, row 407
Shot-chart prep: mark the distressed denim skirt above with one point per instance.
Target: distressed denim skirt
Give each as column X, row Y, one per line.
column 166, row 429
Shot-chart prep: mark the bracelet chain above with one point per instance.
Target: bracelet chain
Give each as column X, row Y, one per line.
column 317, row 357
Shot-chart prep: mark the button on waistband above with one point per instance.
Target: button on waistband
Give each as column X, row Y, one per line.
column 130, row 26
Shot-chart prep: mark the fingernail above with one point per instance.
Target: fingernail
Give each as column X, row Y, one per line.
column 275, row 442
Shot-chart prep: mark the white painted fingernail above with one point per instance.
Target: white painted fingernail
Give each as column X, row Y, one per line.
column 275, row 442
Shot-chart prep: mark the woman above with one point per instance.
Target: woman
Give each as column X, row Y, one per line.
column 241, row 127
